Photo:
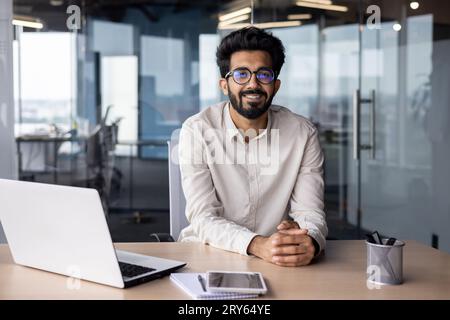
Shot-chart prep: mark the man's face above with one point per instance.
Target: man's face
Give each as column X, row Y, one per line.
column 253, row 99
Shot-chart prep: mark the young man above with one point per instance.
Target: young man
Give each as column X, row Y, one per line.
column 238, row 197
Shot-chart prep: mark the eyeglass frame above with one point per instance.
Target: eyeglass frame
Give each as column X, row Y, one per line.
column 229, row 73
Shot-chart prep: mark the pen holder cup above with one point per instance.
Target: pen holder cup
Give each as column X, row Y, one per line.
column 385, row 262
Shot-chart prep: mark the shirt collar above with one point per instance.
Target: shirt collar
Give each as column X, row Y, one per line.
column 230, row 127
column 233, row 131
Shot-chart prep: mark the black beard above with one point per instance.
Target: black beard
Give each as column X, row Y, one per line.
column 254, row 112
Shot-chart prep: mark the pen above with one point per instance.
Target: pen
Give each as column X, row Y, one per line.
column 202, row 282
column 377, row 237
column 370, row 238
column 391, row 241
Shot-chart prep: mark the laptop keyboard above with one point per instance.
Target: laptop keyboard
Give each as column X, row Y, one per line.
column 132, row 270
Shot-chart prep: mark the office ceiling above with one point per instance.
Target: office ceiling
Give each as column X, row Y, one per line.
column 54, row 5
column 265, row 10
column 53, row 12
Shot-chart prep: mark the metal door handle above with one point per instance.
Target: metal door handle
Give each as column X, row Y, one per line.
column 372, row 125
column 357, row 147
column 356, row 123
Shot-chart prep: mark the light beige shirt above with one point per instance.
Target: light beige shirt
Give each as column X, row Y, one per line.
column 236, row 190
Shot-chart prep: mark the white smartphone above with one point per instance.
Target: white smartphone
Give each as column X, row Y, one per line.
column 232, row 281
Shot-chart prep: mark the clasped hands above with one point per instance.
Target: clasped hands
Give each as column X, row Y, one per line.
column 290, row 246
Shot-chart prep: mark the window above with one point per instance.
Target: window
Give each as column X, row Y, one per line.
column 45, row 81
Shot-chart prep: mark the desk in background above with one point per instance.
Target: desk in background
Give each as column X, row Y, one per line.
column 134, row 151
column 55, row 142
column 340, row 274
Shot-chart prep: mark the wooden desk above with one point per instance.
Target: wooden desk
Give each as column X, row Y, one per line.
column 340, row 274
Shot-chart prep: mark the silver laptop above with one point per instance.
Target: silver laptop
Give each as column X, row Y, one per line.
column 63, row 230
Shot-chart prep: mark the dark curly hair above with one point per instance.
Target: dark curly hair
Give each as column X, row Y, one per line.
column 249, row 38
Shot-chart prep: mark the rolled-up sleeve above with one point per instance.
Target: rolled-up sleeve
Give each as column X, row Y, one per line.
column 307, row 199
column 204, row 211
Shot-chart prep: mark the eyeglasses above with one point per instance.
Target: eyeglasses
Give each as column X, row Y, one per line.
column 243, row 75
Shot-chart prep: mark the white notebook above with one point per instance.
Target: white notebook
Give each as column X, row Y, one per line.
column 191, row 285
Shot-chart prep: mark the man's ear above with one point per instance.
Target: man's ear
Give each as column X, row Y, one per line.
column 223, row 86
column 277, row 85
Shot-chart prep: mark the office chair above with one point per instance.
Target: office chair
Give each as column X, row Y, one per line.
column 177, row 200
column 101, row 173
column 97, row 164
